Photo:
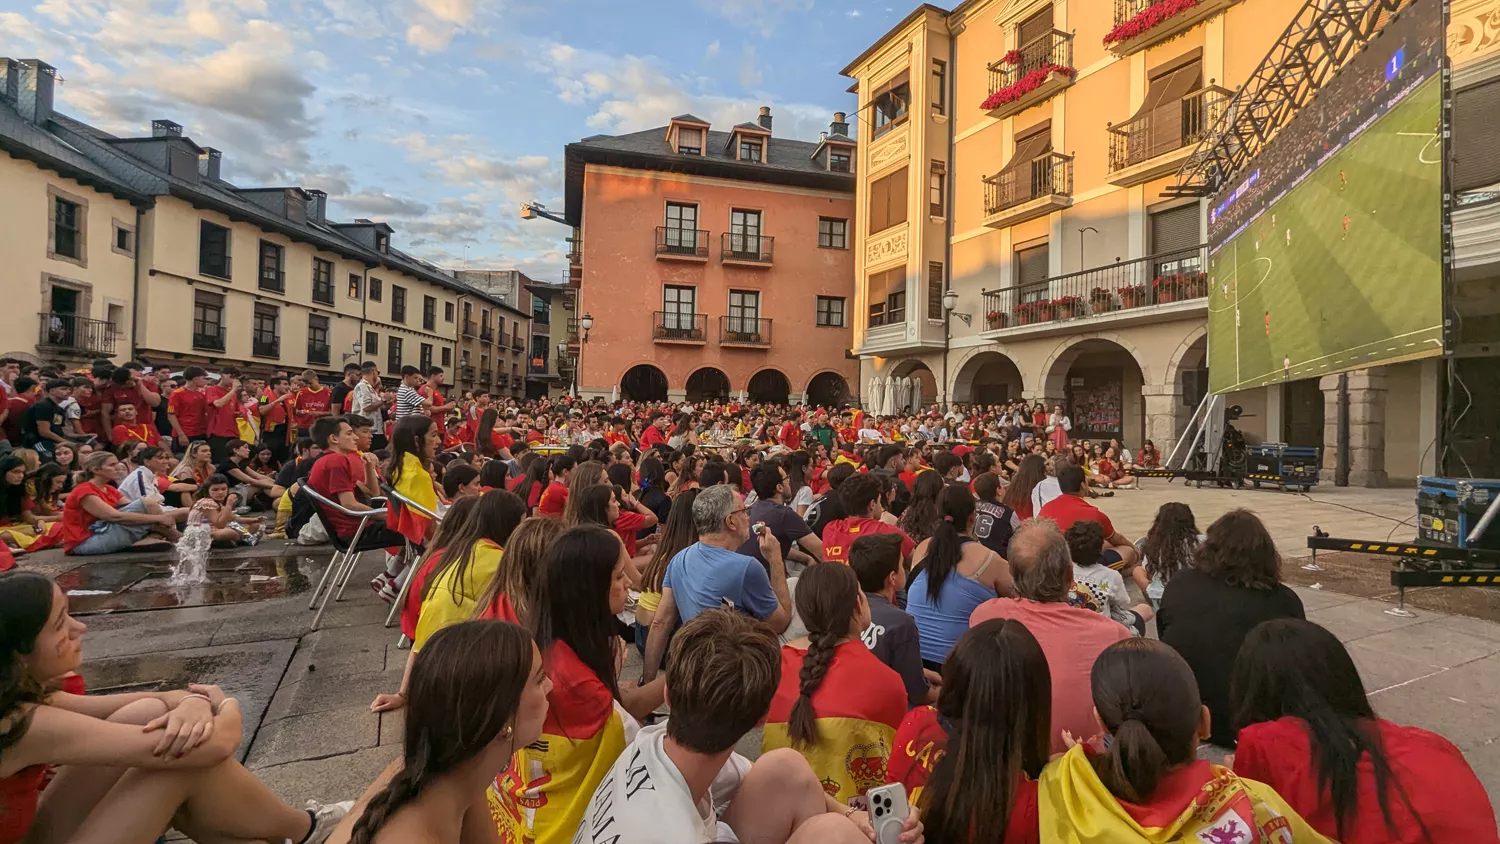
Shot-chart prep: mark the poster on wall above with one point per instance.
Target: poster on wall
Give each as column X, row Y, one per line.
column 1096, row 402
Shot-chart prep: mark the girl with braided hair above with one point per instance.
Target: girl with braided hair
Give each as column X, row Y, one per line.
column 836, row 703
column 478, row 692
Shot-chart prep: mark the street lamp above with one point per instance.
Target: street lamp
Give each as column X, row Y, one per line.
column 950, row 301
column 586, row 323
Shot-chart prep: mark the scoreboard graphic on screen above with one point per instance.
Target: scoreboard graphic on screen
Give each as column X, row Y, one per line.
column 1325, row 252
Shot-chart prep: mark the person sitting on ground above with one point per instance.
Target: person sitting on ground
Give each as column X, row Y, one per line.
column 862, row 497
column 460, row 480
column 124, row 767
column 771, row 485
column 588, row 473
column 128, row 429
column 96, row 520
column 970, row 763
column 1149, row 458
column 509, row 592
column 1030, row 474
column 957, row 574
column 892, row 635
column 1098, row 587
column 1148, row 783
column 1114, row 472
column 1168, row 547
column 721, row 678
column 236, row 468
column 1208, row 610
column 1070, row 637
column 1119, row 554
column 921, row 517
column 478, row 694
column 828, row 506
column 710, row 571
column 530, row 485
column 19, row 528
column 225, row 528
column 678, row 533
column 195, row 466
column 579, row 592
column 837, row 703
column 603, row 504
column 1306, row 729
column 994, row 521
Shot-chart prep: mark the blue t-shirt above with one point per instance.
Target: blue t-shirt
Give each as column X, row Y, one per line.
column 701, row 576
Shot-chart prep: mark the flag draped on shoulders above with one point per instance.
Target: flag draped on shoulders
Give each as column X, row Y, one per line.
column 541, row 797
column 415, row 484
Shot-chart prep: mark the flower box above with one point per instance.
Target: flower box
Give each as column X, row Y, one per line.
column 1067, row 307
column 1102, row 301
column 997, row 319
column 1030, row 313
column 1025, row 85
column 1197, row 285
column 1133, row 296
column 1149, row 18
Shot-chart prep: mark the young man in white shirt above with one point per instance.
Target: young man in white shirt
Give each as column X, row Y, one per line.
column 682, row 783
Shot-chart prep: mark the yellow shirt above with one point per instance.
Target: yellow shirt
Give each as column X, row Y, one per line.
column 649, row 601
column 440, row 608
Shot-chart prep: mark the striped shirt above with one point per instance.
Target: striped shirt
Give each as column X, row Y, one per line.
column 408, row 402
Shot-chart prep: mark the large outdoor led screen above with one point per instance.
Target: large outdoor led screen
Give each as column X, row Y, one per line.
column 1326, row 250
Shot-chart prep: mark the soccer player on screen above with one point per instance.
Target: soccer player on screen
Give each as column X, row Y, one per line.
column 1343, row 181
column 1346, row 228
column 1268, row 323
column 1288, row 237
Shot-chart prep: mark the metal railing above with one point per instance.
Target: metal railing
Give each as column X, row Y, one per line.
column 471, row 329
column 485, row 377
column 538, row 366
column 322, row 292
column 466, row 373
column 1047, row 174
column 675, row 325
column 265, row 347
column 1141, row 283
column 317, row 352
column 502, row 380
column 272, row 280
column 1053, row 49
column 79, row 333
column 208, row 335
column 737, row 246
column 691, row 243
column 517, row 344
column 744, row 331
column 487, row 335
column 1169, row 127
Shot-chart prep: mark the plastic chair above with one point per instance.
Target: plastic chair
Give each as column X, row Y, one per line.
column 410, row 552
column 346, row 553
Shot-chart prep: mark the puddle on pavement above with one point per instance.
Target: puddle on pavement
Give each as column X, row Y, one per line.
column 95, row 588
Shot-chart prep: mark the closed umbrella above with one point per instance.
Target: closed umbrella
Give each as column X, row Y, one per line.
column 916, row 395
column 890, row 396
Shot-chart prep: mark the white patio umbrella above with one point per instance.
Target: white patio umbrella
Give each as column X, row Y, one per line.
column 872, row 396
column 916, row 395
column 614, row 394
column 890, row 396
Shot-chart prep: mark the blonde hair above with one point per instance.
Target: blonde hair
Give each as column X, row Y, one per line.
column 519, row 564
column 586, row 474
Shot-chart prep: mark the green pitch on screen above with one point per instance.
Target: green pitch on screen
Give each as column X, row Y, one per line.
column 1345, row 270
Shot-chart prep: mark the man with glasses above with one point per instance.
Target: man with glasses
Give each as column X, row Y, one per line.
column 772, row 486
column 711, row 573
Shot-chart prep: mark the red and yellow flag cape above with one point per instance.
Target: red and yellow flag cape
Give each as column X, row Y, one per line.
column 416, row 485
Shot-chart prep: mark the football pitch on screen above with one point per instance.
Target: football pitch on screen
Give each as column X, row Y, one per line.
column 1342, row 272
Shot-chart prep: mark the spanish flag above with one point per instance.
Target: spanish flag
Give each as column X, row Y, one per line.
column 858, row 706
column 449, row 600
column 416, row 485
column 542, row 796
column 1199, row 801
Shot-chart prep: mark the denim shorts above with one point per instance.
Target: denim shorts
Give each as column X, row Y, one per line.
column 113, row 537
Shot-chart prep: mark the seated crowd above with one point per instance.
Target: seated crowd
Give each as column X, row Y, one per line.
column 951, row 616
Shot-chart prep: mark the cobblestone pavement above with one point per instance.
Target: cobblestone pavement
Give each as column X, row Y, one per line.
column 310, row 734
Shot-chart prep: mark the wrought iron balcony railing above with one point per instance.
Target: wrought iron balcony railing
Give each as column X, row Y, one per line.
column 208, row 336
column 744, row 331
column 681, row 243
column 71, row 332
column 1169, row 127
column 1046, row 175
column 317, row 352
column 265, row 347
column 746, row 248
column 1129, row 285
column 1045, row 52
column 678, row 327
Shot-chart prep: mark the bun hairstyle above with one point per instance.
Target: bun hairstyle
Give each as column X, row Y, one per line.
column 1148, row 700
column 827, row 598
column 466, row 686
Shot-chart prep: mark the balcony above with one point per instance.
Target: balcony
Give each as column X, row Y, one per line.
column 74, row 334
column 538, row 367
column 1151, row 289
column 751, row 250
column 751, row 332
column 322, row 293
column 502, row 380
column 317, row 352
column 673, row 244
column 517, row 343
column 487, row 335
column 470, row 329
column 208, row 336
column 265, row 347
column 1145, row 23
column 676, row 327
column 485, row 377
column 272, row 279
column 1028, row 190
column 1030, row 75
column 466, row 373
column 1156, row 143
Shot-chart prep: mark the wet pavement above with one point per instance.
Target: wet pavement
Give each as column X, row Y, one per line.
column 106, row 586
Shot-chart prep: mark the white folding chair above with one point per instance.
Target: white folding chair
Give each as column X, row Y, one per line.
column 409, row 550
column 346, row 554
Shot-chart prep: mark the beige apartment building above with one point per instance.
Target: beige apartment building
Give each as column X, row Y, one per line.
column 142, row 249
column 1016, row 156
column 495, row 333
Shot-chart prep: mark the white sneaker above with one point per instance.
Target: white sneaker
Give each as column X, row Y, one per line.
column 326, row 817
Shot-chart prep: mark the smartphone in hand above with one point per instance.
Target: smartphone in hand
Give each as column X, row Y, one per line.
column 888, row 811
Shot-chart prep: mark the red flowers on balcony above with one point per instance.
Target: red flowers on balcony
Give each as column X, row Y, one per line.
column 1150, row 18
column 1025, row 85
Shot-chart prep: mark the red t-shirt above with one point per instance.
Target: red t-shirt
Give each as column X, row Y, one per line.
column 652, row 436
column 627, row 526
column 273, row 412
column 89, row 420
column 533, row 498
column 1443, row 789
column 330, row 477
column 791, row 435
column 613, row 437
column 222, row 420
column 500, row 440
column 115, row 395
column 1067, row 509
column 75, row 519
column 349, row 402
column 553, row 500
column 16, row 408
column 191, row 408
column 413, row 609
column 140, row 433
column 312, row 401
column 839, row 534
column 437, row 402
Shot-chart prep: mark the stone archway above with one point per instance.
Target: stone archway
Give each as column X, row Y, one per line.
column 919, row 371
column 769, row 386
column 643, row 382
column 986, row 378
column 1099, row 382
column 827, row 389
column 707, row 384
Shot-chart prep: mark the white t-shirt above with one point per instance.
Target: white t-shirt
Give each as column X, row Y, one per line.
column 366, row 403
column 1101, row 589
column 644, row 800
column 803, row 498
column 140, row 483
column 1043, row 492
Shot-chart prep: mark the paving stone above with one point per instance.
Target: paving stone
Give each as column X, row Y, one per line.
column 393, row 727
column 324, row 691
column 1382, row 670
column 1355, row 620
column 327, row 780
column 1433, row 645
column 315, row 736
column 1469, row 721
column 1318, row 599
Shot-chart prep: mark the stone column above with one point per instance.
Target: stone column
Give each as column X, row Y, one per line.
column 1163, row 422
column 677, row 396
column 1367, row 395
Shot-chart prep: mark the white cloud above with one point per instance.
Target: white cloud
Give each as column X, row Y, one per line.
column 749, row 68
column 379, row 204
column 712, row 49
column 853, row 13
column 759, row 16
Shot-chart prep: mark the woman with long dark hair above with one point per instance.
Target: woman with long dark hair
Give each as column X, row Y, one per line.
column 1168, row 547
column 587, row 474
column 579, row 591
column 1031, row 471
column 604, row 504
column 971, row 762
column 530, row 486
column 836, row 703
column 1307, row 730
column 653, row 486
column 1208, row 610
column 18, row 527
column 415, row 443
column 955, row 574
column 679, row 532
column 478, row 692
column 921, row 516
column 127, row 766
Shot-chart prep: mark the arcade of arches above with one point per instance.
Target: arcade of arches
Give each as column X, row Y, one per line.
column 647, row 382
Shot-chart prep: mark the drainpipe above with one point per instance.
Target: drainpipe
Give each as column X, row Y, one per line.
column 135, row 283
column 952, row 176
column 1341, row 468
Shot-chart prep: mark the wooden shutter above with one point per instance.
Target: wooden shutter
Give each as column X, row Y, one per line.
column 935, row 290
column 880, row 199
column 1036, row 142
column 1175, row 230
column 1476, row 136
column 897, row 201
column 1034, row 27
column 1031, row 265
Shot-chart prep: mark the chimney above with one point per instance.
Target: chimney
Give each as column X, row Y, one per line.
column 165, row 129
column 765, row 118
column 34, row 91
column 10, row 79
column 840, row 125
column 317, row 206
column 208, row 161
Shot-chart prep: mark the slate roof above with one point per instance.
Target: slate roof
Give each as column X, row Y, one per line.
column 23, row 140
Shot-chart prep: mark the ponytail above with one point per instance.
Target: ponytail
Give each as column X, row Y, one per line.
column 945, row 549
column 1147, row 699
column 1134, row 763
column 405, row 787
column 827, row 599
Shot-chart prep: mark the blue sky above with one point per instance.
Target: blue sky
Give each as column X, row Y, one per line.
column 440, row 116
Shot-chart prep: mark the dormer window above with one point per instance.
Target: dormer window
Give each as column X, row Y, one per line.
column 838, row 160
column 751, row 150
column 690, row 141
column 889, row 103
column 382, row 242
